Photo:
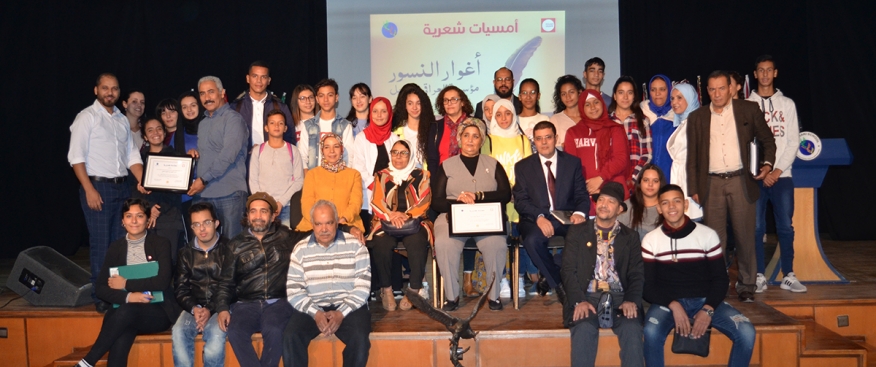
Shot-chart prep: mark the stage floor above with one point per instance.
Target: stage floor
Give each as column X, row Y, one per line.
column 531, row 336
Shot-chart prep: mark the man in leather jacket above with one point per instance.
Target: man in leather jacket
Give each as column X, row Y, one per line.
column 253, row 284
column 197, row 279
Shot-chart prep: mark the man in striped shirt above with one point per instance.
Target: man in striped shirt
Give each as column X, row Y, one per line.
column 328, row 287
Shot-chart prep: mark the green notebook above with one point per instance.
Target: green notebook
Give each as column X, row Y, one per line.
column 139, row 271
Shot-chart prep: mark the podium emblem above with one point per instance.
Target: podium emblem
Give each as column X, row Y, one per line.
column 810, row 146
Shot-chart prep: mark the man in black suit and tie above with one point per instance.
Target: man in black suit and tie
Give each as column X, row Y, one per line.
column 560, row 186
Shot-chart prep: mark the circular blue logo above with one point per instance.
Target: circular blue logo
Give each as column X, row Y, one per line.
column 389, row 29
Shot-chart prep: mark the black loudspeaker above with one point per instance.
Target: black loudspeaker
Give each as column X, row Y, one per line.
column 44, row 277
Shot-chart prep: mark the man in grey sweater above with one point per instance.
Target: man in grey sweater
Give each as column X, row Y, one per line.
column 221, row 153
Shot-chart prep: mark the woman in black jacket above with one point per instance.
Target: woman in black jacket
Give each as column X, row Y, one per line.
column 135, row 314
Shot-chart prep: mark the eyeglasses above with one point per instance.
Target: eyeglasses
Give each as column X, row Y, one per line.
column 544, row 138
column 504, row 80
column 306, row 98
column 205, row 223
column 453, row 100
column 528, row 93
column 399, row 153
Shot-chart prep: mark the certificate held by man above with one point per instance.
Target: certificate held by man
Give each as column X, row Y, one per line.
column 168, row 172
column 476, row 219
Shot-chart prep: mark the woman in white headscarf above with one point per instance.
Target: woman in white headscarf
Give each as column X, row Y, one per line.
column 684, row 101
column 506, row 143
column 401, row 198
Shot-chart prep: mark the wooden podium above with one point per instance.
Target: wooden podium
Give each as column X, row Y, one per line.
column 810, row 263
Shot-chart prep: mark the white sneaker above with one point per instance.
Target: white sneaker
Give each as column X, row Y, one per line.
column 761, row 283
column 792, row 284
column 521, row 288
column 505, row 288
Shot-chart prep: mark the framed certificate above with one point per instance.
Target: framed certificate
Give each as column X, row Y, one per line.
column 168, row 172
column 476, row 219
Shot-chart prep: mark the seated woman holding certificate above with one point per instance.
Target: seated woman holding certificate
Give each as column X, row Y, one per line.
column 166, row 218
column 400, row 201
column 136, row 310
column 469, row 178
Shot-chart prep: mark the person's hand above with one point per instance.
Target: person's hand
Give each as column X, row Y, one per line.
column 630, row 310
column 398, row 221
column 547, row 229
column 224, row 319
column 696, row 198
column 202, row 315
column 197, row 187
column 577, row 219
column 194, row 153
column 772, row 178
column 142, row 189
column 466, row 197
column 92, row 197
column 117, row 282
column 322, row 322
column 154, row 217
column 582, row 310
column 764, row 171
column 701, row 323
column 355, row 231
column 594, row 184
column 682, row 324
column 139, row 297
column 335, row 318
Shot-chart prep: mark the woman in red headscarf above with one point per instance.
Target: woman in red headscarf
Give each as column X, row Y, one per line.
column 600, row 143
column 370, row 151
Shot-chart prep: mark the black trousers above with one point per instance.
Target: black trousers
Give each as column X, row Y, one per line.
column 120, row 327
column 417, row 246
column 353, row 332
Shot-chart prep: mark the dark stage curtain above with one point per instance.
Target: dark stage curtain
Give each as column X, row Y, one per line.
column 51, row 52
column 825, row 53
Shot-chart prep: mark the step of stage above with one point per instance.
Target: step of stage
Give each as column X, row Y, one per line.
column 823, row 347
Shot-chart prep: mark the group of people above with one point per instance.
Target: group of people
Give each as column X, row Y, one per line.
column 325, row 199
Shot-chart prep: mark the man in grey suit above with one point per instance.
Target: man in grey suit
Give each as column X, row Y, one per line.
column 719, row 170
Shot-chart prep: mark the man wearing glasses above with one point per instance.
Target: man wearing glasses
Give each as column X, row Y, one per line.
column 503, row 85
column 197, row 279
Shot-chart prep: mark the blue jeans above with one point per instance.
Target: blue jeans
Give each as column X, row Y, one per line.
column 782, row 196
column 230, row 210
column 104, row 226
column 284, row 215
column 248, row 318
column 659, row 322
column 184, row 332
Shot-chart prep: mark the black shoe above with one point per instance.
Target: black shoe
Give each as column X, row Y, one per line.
column 746, row 296
column 451, row 305
column 542, row 286
column 495, row 305
column 561, row 294
column 102, row 307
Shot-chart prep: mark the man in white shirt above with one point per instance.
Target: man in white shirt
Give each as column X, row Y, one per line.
column 326, row 121
column 777, row 187
column 255, row 103
column 101, row 151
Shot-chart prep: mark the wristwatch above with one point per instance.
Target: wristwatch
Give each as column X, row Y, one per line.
column 709, row 312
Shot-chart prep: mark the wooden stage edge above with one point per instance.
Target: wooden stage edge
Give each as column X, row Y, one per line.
column 793, row 330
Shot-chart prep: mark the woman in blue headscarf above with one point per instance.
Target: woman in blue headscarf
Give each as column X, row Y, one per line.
column 683, row 101
column 659, row 112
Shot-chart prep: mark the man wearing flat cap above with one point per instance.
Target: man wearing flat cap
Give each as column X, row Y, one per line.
column 602, row 264
column 254, row 274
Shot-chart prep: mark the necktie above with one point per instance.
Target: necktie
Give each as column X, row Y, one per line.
column 552, row 181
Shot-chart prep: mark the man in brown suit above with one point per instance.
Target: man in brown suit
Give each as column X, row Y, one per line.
column 719, row 174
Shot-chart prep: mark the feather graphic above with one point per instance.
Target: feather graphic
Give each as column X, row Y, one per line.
column 518, row 60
